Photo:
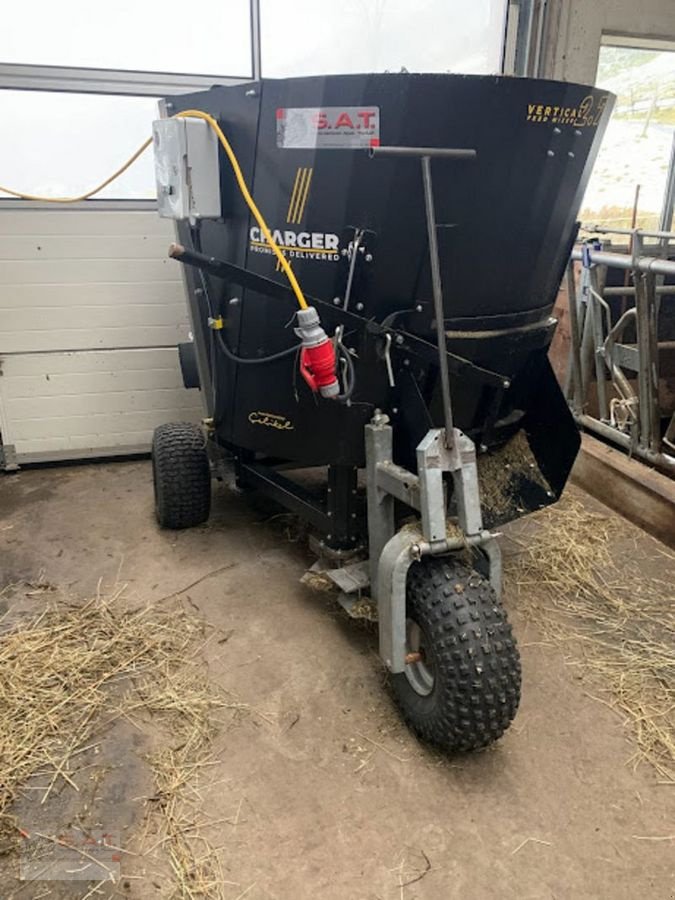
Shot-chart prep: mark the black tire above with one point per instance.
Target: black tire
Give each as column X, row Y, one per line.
column 181, row 475
column 469, row 652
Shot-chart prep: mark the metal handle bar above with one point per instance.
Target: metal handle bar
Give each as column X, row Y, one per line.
column 419, row 152
column 425, row 155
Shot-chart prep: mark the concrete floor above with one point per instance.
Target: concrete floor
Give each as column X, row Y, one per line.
column 314, row 822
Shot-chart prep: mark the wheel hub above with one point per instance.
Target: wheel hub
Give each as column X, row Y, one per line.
column 418, row 671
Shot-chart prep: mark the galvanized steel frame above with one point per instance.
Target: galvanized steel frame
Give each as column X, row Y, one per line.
column 392, row 553
column 595, row 344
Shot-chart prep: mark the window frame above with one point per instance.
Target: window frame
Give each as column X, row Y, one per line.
column 644, row 42
column 102, row 82
column 138, row 83
column 125, row 83
column 65, row 79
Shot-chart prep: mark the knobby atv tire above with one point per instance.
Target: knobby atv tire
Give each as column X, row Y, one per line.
column 181, row 475
column 469, row 648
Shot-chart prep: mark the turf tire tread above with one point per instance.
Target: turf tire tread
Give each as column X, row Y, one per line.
column 181, row 475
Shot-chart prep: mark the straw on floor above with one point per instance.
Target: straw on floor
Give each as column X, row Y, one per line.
column 71, row 667
column 580, row 575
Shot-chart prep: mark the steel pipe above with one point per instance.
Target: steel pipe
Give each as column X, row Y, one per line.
column 437, row 291
column 575, row 346
column 648, row 362
column 595, row 314
column 629, row 291
column 419, row 152
column 425, row 155
column 663, row 460
column 447, row 545
column 624, row 261
column 598, row 229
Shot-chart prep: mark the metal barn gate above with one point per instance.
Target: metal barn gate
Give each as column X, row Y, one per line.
column 91, row 311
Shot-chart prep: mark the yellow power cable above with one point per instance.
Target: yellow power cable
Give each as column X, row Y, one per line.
column 250, row 202
column 241, row 182
column 132, row 159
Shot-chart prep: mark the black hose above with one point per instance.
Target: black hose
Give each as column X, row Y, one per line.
column 350, row 378
column 249, row 361
column 222, row 343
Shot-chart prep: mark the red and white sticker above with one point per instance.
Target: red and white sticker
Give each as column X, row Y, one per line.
column 328, row 127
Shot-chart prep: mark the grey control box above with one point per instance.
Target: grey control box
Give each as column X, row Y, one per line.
column 187, row 170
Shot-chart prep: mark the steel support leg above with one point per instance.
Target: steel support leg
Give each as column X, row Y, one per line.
column 381, row 527
column 573, row 387
column 433, row 459
column 648, row 362
column 341, row 507
column 390, row 553
column 595, row 311
column 467, row 490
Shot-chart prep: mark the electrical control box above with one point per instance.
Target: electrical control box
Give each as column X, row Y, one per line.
column 186, row 169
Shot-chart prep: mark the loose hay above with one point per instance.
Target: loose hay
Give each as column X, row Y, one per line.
column 186, row 702
column 364, row 608
column 318, row 581
column 58, row 672
column 621, row 619
column 503, row 473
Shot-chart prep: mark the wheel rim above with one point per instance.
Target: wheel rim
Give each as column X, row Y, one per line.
column 420, row 673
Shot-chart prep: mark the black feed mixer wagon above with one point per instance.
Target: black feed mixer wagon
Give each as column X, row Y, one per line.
column 371, row 263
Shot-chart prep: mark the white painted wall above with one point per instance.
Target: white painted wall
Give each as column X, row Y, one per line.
column 575, row 29
column 91, row 311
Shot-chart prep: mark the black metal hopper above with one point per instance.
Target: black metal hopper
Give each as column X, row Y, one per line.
column 354, row 229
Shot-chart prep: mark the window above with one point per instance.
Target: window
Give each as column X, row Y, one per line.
column 66, row 144
column 318, row 37
column 636, row 150
column 212, row 37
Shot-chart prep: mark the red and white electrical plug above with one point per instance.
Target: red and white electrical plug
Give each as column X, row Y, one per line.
column 318, row 362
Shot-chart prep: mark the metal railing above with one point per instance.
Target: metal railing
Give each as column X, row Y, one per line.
column 625, row 369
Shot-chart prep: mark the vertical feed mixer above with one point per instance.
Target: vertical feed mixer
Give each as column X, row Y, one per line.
column 422, row 224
